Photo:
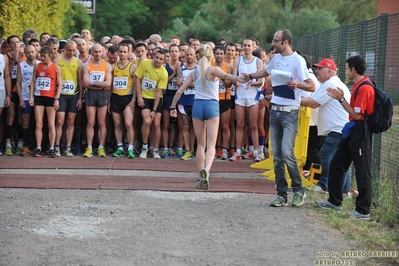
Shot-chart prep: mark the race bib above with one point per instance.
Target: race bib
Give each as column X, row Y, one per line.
column 68, row 87
column 189, row 91
column 42, row 84
column 120, row 83
column 222, row 87
column 97, row 76
column 172, row 85
column 148, row 84
column 232, row 92
column 14, row 72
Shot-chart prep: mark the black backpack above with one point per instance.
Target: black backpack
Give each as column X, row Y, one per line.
column 381, row 120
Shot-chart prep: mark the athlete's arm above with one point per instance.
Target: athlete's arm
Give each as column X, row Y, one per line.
column 19, row 81
column 80, row 81
column 32, row 86
column 7, row 80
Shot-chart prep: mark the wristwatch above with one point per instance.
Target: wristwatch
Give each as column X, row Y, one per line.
column 342, row 100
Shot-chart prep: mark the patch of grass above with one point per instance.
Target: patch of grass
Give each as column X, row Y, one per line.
column 370, row 235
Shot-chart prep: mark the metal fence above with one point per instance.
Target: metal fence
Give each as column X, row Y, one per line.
column 377, row 40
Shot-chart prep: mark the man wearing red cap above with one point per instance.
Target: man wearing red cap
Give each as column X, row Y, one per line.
column 357, row 147
column 332, row 117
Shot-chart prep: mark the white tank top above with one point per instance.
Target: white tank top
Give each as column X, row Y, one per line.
column 247, row 67
column 27, row 73
column 210, row 92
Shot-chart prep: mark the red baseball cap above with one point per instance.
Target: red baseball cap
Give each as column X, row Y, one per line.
column 328, row 63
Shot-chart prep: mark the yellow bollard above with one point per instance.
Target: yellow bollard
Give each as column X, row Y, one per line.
column 300, row 150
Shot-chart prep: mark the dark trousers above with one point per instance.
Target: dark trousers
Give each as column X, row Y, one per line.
column 357, row 149
column 314, row 144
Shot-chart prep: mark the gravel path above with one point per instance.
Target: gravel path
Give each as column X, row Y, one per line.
column 86, row 227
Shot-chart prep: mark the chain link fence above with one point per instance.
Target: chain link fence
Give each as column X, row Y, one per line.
column 377, row 41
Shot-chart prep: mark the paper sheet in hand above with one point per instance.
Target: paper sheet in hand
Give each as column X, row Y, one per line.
column 279, row 82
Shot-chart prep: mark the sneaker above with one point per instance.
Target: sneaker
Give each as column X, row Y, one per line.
column 88, row 153
column 25, row 151
column 249, row 155
column 327, row 205
column 266, row 152
column 101, row 152
column 236, row 157
column 165, row 153
column 38, row 154
column 118, row 153
column 317, row 188
column 68, row 153
column 150, row 152
column 187, row 156
column 143, row 154
column 172, row 152
column 57, row 151
column 51, row 154
column 225, row 155
column 156, row 155
column 231, row 152
column 359, row 216
column 130, row 154
column 219, row 152
column 180, row 153
column 279, row 201
column 299, row 199
column 9, row 151
column 198, row 183
column 204, row 179
column 77, row 150
column 259, row 157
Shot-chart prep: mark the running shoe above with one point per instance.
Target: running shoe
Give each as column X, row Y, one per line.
column 38, row 154
column 279, row 201
column 143, row 154
column 172, row 152
column 180, row 153
column 88, row 153
column 101, row 152
column 25, row 151
column 57, row 151
column 359, row 216
column 68, row 153
column 198, row 183
column 219, row 152
column 165, row 153
column 9, row 151
column 299, row 199
column 249, row 155
column 258, row 157
column 225, row 155
column 189, row 155
column 327, row 205
column 205, row 179
column 236, row 157
column 156, row 155
column 118, row 153
column 130, row 154
column 77, row 150
column 231, row 152
column 51, row 154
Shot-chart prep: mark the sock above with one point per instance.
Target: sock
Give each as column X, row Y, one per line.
column 155, row 149
column 120, row 146
column 90, row 147
column 131, row 147
column 145, row 146
column 8, row 144
column 238, row 151
column 20, row 144
column 262, row 139
column 100, row 146
column 39, row 148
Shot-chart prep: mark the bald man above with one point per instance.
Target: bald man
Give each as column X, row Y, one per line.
column 71, row 95
column 97, row 77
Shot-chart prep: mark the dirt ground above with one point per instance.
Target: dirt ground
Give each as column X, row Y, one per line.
column 114, row 227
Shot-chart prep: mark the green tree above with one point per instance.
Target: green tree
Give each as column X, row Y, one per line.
column 41, row 15
column 75, row 19
column 308, row 21
column 119, row 17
